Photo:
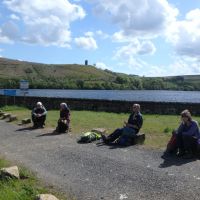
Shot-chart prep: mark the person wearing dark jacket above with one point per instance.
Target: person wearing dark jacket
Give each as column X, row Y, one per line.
column 39, row 115
column 125, row 135
column 64, row 120
column 187, row 135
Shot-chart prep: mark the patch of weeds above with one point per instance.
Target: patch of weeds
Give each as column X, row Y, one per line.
column 167, row 130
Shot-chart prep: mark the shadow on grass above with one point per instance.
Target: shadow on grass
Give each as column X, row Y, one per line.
column 173, row 160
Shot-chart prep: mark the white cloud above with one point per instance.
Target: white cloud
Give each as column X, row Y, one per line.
column 135, row 48
column 46, row 22
column 102, row 65
column 185, row 35
column 14, row 17
column 138, row 18
column 120, row 37
column 180, row 66
column 4, row 39
column 87, row 42
column 184, row 66
column 89, row 34
column 102, row 34
column 10, row 30
column 128, row 57
column 146, row 47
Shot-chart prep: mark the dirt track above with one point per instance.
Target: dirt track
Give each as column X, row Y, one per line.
column 89, row 171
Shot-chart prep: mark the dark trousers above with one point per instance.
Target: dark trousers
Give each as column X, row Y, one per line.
column 115, row 135
column 38, row 121
column 62, row 127
column 124, row 136
column 187, row 143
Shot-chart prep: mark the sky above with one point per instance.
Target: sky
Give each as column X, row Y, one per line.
column 142, row 37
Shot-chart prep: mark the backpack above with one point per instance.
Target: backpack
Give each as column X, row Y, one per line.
column 89, row 137
column 172, row 144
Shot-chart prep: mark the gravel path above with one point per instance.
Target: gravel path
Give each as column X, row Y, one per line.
column 92, row 172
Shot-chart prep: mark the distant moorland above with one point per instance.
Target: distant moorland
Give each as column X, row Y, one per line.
column 74, row 76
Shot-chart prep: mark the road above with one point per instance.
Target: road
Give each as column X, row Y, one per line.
column 94, row 172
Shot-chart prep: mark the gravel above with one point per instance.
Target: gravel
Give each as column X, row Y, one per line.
column 95, row 172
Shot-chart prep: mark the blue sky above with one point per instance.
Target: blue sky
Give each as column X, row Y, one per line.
column 142, row 37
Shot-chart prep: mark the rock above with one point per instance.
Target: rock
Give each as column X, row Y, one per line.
column 2, row 113
column 26, row 121
column 6, row 115
column 46, row 197
column 10, row 171
column 12, row 118
column 99, row 130
column 139, row 138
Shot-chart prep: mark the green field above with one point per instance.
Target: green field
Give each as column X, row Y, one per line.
column 157, row 128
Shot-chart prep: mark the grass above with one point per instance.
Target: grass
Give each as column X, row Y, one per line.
column 157, row 128
column 26, row 188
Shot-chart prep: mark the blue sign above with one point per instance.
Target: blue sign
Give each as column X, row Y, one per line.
column 9, row 92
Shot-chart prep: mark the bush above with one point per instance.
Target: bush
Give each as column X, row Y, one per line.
column 167, row 130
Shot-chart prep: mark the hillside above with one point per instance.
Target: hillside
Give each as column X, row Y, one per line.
column 21, row 69
column 73, row 76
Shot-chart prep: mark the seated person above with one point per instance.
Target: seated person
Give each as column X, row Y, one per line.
column 187, row 135
column 64, row 120
column 125, row 135
column 39, row 115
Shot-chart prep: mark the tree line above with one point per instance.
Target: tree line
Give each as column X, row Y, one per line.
column 122, row 82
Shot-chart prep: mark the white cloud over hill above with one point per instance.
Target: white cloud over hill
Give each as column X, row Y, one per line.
column 44, row 22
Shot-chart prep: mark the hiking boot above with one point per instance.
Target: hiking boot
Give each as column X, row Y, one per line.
column 188, row 156
column 104, row 138
column 166, row 154
column 34, row 127
column 180, row 153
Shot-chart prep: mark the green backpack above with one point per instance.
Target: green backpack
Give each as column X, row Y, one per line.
column 89, row 137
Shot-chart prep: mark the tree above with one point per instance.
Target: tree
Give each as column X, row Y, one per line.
column 80, row 84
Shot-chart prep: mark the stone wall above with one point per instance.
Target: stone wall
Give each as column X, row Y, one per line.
column 103, row 105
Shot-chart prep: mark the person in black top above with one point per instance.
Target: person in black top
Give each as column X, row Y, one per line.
column 125, row 135
column 64, row 120
column 39, row 115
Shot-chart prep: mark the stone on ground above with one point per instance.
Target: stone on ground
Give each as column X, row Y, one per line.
column 26, row 121
column 46, row 197
column 139, row 138
column 6, row 115
column 99, row 130
column 10, row 171
column 12, row 118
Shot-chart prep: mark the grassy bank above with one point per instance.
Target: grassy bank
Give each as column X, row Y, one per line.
column 157, row 128
column 26, row 188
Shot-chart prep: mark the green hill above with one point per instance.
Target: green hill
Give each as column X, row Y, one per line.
column 21, row 69
column 73, row 76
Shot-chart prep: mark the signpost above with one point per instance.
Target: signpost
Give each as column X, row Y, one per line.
column 24, row 86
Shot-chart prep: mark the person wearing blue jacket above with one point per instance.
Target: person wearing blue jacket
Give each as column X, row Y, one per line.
column 125, row 135
column 187, row 135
